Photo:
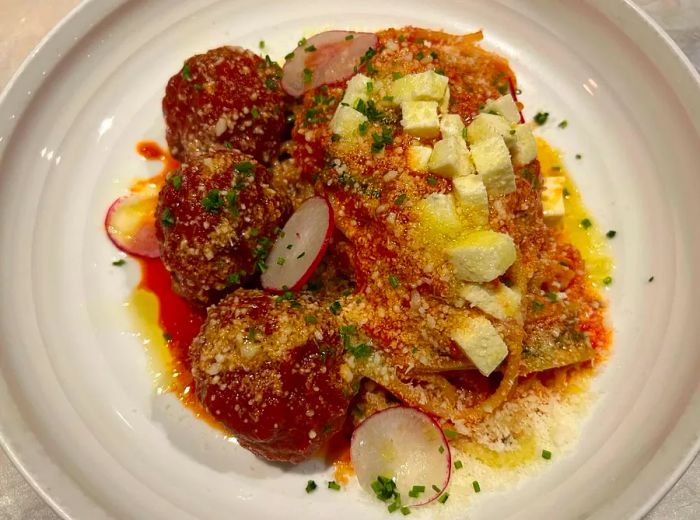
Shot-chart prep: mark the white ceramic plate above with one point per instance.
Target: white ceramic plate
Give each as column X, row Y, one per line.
column 78, row 413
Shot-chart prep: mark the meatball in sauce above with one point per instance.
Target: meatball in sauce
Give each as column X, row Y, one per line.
column 269, row 369
column 216, row 219
column 228, row 96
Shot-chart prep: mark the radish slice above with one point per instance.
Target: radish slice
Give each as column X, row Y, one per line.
column 407, row 446
column 131, row 225
column 300, row 247
column 515, row 98
column 336, row 57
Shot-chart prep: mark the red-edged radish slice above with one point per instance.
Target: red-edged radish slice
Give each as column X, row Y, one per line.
column 513, row 93
column 300, row 247
column 131, row 225
column 407, row 446
column 326, row 57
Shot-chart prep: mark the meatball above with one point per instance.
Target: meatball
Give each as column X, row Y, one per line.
column 216, row 219
column 227, row 96
column 268, row 368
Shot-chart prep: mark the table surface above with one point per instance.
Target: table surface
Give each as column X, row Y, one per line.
column 23, row 24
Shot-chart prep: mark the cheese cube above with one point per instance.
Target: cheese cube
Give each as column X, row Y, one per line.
column 451, row 125
column 356, row 89
column 420, row 118
column 482, row 344
column 426, row 86
column 524, row 149
column 346, row 121
column 504, row 106
column 486, row 126
column 471, row 199
column 418, row 156
column 445, row 103
column 438, row 215
column 450, row 158
column 492, row 161
column 553, row 197
column 482, row 256
column 500, row 301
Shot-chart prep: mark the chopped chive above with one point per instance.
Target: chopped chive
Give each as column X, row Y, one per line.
column 280, row 260
column 415, row 491
column 310, row 319
column 349, row 37
column 436, row 489
column 289, row 56
column 388, row 99
column 301, row 255
column 443, row 498
column 458, row 464
column 552, row 297
column 578, row 155
column 541, row 118
column 198, row 86
column 464, row 132
column 556, row 168
column 228, row 145
column 393, row 506
column 432, row 181
column 440, row 71
column 176, row 181
column 362, row 127
column 420, row 55
column 607, row 280
column 167, row 218
column 261, row 44
column 310, row 48
column 405, row 510
column 244, row 167
column 434, row 55
column 370, row 87
column 537, row 306
column 565, row 192
column 441, row 449
column 400, row 199
column 308, row 75
column 233, row 279
column 611, row 233
column 396, row 75
column 450, row 434
column 186, row 72
column 311, row 486
column 586, row 223
column 394, row 282
column 335, row 138
column 255, row 112
column 335, row 307
column 119, row 262
column 271, row 84
column 334, row 485
column 546, row 454
column 167, row 336
column 476, row 486
column 563, row 124
column 302, row 41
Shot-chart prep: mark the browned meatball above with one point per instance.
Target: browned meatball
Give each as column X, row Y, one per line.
column 216, row 219
column 269, row 369
column 227, row 96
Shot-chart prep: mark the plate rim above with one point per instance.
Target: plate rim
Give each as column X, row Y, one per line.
column 31, row 64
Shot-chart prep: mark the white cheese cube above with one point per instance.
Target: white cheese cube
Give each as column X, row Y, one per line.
column 450, row 158
column 418, row 156
column 438, row 215
column 482, row 256
column 504, row 106
column 482, row 344
column 346, row 122
column 553, row 197
column 451, row 125
column 486, row 126
column 445, row 103
column 492, row 161
column 426, row 86
column 356, row 89
column 524, row 149
column 499, row 301
column 472, row 199
column 420, row 118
